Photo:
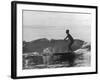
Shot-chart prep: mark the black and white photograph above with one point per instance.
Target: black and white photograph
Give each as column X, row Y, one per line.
column 53, row 39
column 56, row 39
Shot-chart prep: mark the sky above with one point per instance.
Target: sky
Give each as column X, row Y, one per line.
column 53, row 25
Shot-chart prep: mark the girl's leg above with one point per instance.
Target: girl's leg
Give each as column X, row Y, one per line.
column 70, row 49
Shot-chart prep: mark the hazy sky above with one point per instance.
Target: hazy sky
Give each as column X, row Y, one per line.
column 53, row 25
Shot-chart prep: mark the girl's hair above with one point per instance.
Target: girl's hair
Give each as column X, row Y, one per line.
column 67, row 31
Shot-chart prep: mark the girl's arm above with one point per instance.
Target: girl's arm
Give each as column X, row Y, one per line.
column 65, row 38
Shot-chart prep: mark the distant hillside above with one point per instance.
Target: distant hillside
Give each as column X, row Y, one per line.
column 57, row 46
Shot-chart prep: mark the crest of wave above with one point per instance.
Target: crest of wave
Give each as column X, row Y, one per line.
column 83, row 55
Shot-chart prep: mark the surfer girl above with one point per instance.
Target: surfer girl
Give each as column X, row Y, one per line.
column 69, row 37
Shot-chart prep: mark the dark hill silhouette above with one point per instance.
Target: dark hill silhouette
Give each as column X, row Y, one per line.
column 59, row 46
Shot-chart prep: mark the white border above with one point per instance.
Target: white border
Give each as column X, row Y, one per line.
column 36, row 72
